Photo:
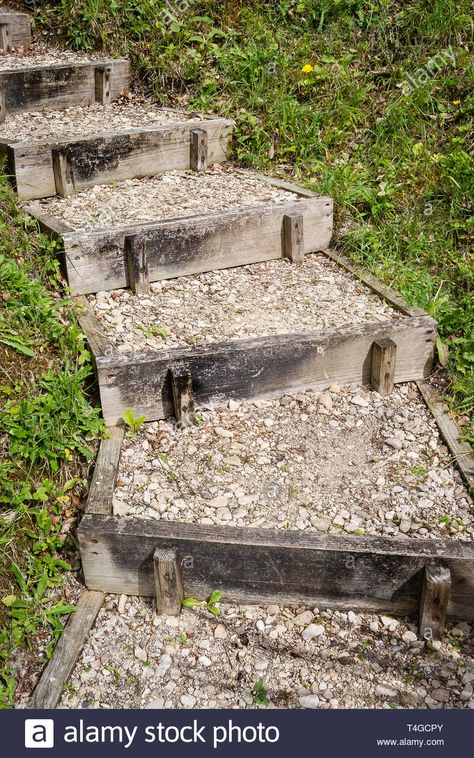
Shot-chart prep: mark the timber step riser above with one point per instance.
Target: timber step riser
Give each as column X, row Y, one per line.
column 37, row 171
column 61, row 86
column 272, row 567
column 15, row 31
column 97, row 260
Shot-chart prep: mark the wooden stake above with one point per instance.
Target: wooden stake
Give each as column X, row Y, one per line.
column 103, row 75
column 169, row 590
column 434, row 602
column 384, row 361
column 63, row 178
column 293, row 232
column 5, row 38
column 3, row 109
column 137, row 264
column 183, row 396
column 199, row 150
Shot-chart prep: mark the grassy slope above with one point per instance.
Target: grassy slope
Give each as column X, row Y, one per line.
column 400, row 165
column 45, row 422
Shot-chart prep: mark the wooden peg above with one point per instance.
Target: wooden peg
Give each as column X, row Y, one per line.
column 293, row 234
column 169, row 590
column 384, row 361
column 183, row 396
column 103, row 90
column 3, row 105
column 199, row 150
column 434, row 601
column 137, row 264
column 63, row 177
column 5, row 38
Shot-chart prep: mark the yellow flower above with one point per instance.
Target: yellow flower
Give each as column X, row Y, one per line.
column 307, row 68
column 456, row 102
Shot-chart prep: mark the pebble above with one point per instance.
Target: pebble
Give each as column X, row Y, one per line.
column 309, row 701
column 188, row 701
column 312, row 631
column 409, row 637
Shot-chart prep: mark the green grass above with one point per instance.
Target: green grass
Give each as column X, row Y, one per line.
column 400, row 166
column 46, row 423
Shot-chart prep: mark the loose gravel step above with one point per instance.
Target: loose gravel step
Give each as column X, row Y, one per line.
column 301, row 658
column 257, row 300
column 171, row 195
column 84, row 121
column 40, row 54
column 338, row 461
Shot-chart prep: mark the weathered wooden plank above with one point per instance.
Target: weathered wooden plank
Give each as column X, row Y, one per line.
column 137, row 265
column 381, row 289
column 92, row 328
column 101, row 493
column 50, row 688
column 261, row 367
column 115, row 156
column 55, row 227
column 275, row 566
column 434, row 601
column 18, row 33
column 169, row 591
column 59, row 86
column 293, row 230
column 3, row 109
column 199, row 150
column 193, row 244
column 281, row 184
column 461, row 451
column 384, row 361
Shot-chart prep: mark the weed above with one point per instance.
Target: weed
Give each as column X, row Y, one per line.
column 132, row 422
column 259, row 693
column 210, row 605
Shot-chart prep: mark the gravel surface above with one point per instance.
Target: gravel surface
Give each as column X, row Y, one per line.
column 340, row 461
column 40, row 54
column 83, row 121
column 174, row 194
column 258, row 300
column 304, row 658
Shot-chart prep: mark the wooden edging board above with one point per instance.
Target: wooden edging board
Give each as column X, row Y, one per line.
column 15, row 30
column 369, row 573
column 62, row 85
column 259, row 367
column 50, row 688
column 111, row 156
column 95, row 260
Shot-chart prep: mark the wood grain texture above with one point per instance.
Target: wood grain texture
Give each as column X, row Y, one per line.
column 261, row 367
column 435, row 593
column 49, row 690
column 59, row 86
column 169, row 592
column 19, row 28
column 293, row 231
column 101, row 493
column 461, row 451
column 275, row 566
column 112, row 156
column 92, row 328
column 384, row 362
column 193, row 244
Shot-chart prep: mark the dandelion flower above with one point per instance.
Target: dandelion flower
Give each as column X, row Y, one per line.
column 307, row 68
column 456, row 102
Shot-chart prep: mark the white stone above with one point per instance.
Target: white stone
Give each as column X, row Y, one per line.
column 309, row 701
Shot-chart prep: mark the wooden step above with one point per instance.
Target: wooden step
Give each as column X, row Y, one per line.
column 15, row 30
column 379, row 349
column 66, row 165
column 278, row 558
column 29, row 85
column 183, row 242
